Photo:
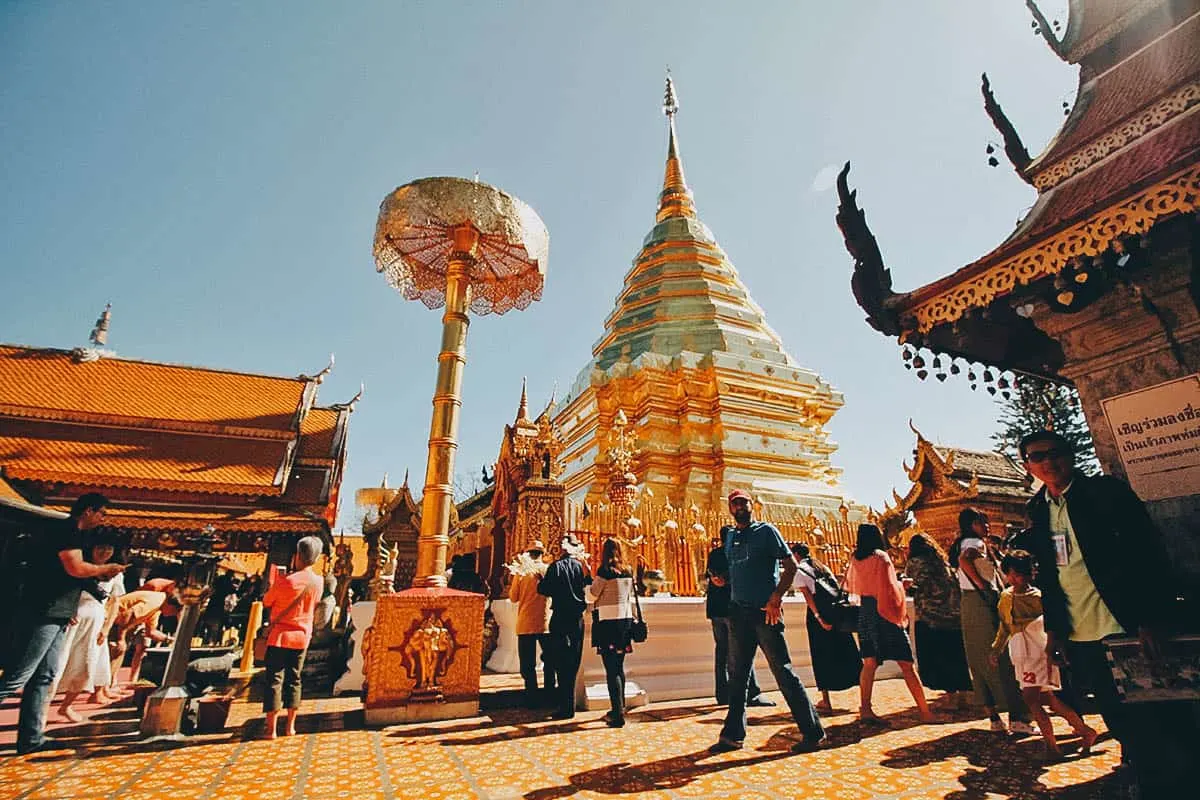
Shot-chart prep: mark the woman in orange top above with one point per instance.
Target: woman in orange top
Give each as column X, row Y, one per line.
column 882, row 620
column 291, row 602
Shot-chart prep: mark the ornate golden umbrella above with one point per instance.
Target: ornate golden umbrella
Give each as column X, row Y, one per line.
column 460, row 244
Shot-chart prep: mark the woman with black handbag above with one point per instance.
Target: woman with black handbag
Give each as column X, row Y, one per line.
column 835, row 658
column 614, row 624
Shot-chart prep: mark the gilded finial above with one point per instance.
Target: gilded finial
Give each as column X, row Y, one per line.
column 99, row 334
column 675, row 200
column 320, row 376
column 523, row 408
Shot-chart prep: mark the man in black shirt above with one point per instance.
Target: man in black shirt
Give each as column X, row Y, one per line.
column 55, row 583
column 565, row 584
column 716, row 608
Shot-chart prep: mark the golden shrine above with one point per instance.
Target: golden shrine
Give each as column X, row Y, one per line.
column 1099, row 284
column 945, row 480
column 689, row 394
column 713, row 398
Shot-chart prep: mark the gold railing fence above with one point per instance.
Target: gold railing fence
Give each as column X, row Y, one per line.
column 676, row 541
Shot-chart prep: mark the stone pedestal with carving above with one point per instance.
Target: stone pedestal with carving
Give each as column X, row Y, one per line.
column 423, row 656
column 541, row 511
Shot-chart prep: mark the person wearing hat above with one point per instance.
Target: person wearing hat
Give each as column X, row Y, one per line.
column 716, row 608
column 761, row 570
column 565, row 583
column 291, row 601
column 533, row 619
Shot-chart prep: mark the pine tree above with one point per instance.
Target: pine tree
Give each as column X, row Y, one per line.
column 1038, row 404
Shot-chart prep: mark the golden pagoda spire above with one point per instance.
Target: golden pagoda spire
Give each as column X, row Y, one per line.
column 676, row 198
column 523, row 408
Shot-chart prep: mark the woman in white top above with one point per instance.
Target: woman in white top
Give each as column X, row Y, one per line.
column 995, row 687
column 612, row 624
column 83, row 662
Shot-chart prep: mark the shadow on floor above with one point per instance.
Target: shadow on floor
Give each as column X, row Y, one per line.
column 1003, row 766
column 665, row 774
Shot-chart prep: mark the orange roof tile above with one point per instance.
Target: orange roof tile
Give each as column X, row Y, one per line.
column 317, row 431
column 50, row 383
column 1138, row 82
column 47, row 451
column 9, row 493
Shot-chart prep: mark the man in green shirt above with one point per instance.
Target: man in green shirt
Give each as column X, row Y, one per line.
column 1103, row 572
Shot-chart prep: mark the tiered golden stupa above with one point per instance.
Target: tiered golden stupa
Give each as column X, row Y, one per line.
column 716, row 401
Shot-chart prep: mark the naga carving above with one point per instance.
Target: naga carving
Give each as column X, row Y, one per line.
column 871, row 281
column 1014, row 148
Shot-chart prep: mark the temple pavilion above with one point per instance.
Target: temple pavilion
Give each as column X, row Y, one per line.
column 251, row 460
column 1099, row 284
column 716, row 400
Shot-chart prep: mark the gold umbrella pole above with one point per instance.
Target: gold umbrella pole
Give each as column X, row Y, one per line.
column 447, row 400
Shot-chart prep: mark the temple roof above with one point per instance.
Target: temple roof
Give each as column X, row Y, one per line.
column 1107, row 101
column 169, row 442
column 35, row 450
column 1092, row 24
column 941, row 473
column 1126, row 158
column 54, row 384
column 683, row 294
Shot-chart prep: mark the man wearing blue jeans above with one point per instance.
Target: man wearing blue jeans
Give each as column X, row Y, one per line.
column 756, row 552
column 716, row 608
column 53, row 585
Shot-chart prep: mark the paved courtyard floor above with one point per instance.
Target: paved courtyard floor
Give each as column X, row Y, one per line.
column 661, row 753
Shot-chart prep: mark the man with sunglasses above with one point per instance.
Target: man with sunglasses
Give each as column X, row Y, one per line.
column 1103, row 571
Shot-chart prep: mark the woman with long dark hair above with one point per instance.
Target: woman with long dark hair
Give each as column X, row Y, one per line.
column 882, row 620
column 939, row 618
column 612, row 623
column 836, row 662
column 979, row 579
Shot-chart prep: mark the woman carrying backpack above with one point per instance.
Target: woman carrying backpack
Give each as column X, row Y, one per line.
column 939, row 639
column 835, row 658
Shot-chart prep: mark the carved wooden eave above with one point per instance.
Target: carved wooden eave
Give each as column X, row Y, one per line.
column 1126, row 160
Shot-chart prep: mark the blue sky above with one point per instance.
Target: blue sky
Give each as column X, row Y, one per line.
column 214, row 170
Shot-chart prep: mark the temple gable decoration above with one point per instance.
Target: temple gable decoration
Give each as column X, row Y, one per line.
column 944, row 481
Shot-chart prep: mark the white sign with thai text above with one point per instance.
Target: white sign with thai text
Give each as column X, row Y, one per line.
column 1157, row 431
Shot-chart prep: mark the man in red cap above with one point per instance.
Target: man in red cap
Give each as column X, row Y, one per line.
column 761, row 568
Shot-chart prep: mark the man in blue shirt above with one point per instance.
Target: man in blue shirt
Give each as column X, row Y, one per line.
column 756, row 553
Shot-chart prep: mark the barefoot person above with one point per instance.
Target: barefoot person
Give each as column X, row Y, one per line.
column 1023, row 634
column 291, row 601
column 882, row 620
column 56, row 570
column 83, row 662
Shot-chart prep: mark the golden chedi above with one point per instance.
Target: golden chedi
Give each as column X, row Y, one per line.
column 714, row 399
